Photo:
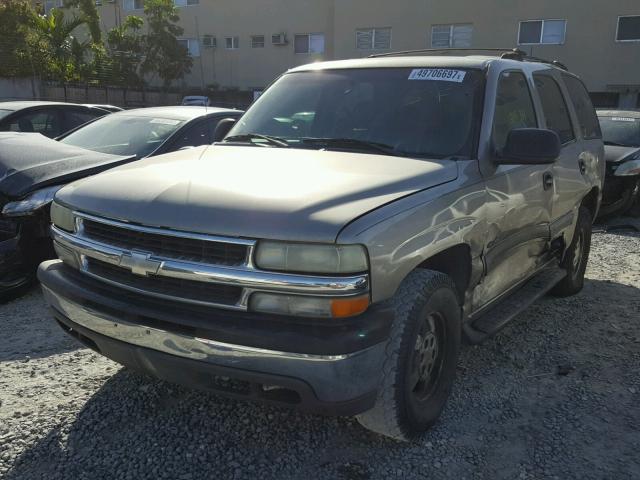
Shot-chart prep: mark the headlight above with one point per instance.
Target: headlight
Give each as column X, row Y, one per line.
column 311, row 258
column 30, row 204
column 62, row 217
column 302, row 306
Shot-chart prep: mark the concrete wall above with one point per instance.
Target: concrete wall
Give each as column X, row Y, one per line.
column 19, row 89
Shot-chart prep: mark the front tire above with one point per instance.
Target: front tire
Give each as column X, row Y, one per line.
column 421, row 357
column 576, row 257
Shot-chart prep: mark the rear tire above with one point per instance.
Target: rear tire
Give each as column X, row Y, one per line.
column 421, row 357
column 576, row 257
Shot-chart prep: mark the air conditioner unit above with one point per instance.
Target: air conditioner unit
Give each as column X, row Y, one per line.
column 209, row 41
column 279, row 39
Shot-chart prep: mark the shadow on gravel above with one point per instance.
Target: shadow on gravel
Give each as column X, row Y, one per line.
column 513, row 414
column 28, row 330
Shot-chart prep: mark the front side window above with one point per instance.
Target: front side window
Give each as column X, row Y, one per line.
column 584, row 108
column 373, row 38
column 426, row 112
column 309, row 43
column 48, row 123
column 514, row 107
column 554, row 107
column 628, row 29
column 192, row 45
column 124, row 134
column 451, row 36
column 542, row 32
column 620, row 130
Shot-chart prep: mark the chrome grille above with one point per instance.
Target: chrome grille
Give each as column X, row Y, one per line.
column 166, row 246
column 187, row 290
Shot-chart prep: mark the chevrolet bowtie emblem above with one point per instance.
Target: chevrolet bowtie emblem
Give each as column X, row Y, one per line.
column 140, row 263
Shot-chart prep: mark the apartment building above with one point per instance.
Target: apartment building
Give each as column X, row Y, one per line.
column 248, row 43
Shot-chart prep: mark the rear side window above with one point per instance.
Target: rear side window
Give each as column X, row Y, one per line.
column 75, row 118
column 514, row 107
column 554, row 107
column 589, row 125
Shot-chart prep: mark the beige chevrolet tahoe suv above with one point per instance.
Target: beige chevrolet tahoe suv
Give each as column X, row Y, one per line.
column 359, row 222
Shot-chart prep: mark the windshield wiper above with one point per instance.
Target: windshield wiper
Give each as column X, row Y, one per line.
column 615, row 144
column 353, row 143
column 245, row 137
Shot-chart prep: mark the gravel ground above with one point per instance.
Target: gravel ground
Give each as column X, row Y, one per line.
column 556, row 395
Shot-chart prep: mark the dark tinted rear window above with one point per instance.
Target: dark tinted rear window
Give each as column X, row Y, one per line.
column 587, row 117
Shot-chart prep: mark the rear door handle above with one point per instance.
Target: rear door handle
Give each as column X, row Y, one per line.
column 547, row 180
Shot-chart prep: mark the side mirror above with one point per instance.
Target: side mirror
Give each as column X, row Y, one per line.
column 530, row 146
column 223, row 127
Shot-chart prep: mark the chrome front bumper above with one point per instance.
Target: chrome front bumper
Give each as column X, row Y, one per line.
column 77, row 248
column 332, row 378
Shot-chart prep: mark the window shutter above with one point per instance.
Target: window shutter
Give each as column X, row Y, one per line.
column 382, row 39
column 461, row 36
column 364, row 39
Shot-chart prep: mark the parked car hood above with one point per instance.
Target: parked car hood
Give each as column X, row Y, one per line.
column 616, row 154
column 260, row 192
column 29, row 161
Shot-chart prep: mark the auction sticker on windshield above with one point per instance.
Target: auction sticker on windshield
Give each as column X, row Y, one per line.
column 442, row 74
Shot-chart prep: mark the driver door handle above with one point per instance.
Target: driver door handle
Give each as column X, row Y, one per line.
column 547, row 180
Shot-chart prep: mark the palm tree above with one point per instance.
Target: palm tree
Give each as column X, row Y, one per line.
column 66, row 54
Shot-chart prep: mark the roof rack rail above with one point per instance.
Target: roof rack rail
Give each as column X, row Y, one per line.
column 506, row 53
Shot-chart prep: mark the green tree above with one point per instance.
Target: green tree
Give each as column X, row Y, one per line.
column 89, row 13
column 164, row 56
column 66, row 55
column 20, row 52
column 125, row 50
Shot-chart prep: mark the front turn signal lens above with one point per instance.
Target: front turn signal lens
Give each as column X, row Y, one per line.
column 349, row 307
column 305, row 306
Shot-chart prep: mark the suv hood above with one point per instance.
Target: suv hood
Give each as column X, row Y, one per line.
column 258, row 192
column 29, row 161
column 615, row 154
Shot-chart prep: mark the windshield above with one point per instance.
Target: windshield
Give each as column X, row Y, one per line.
column 428, row 112
column 124, row 134
column 624, row 131
column 4, row 113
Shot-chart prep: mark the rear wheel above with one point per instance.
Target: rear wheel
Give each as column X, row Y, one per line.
column 576, row 257
column 421, row 357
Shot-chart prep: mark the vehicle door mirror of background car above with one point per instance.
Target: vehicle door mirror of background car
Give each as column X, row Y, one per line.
column 529, row 146
column 224, row 126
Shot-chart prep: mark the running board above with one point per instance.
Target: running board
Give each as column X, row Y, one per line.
column 497, row 317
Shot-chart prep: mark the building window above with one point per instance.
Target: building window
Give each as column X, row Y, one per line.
column 309, row 43
column 185, row 3
column 257, row 41
column 192, row 45
column 231, row 43
column 628, row 29
column 49, row 4
column 539, row 32
column 451, row 36
column 98, row 3
column 373, row 38
column 133, row 4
